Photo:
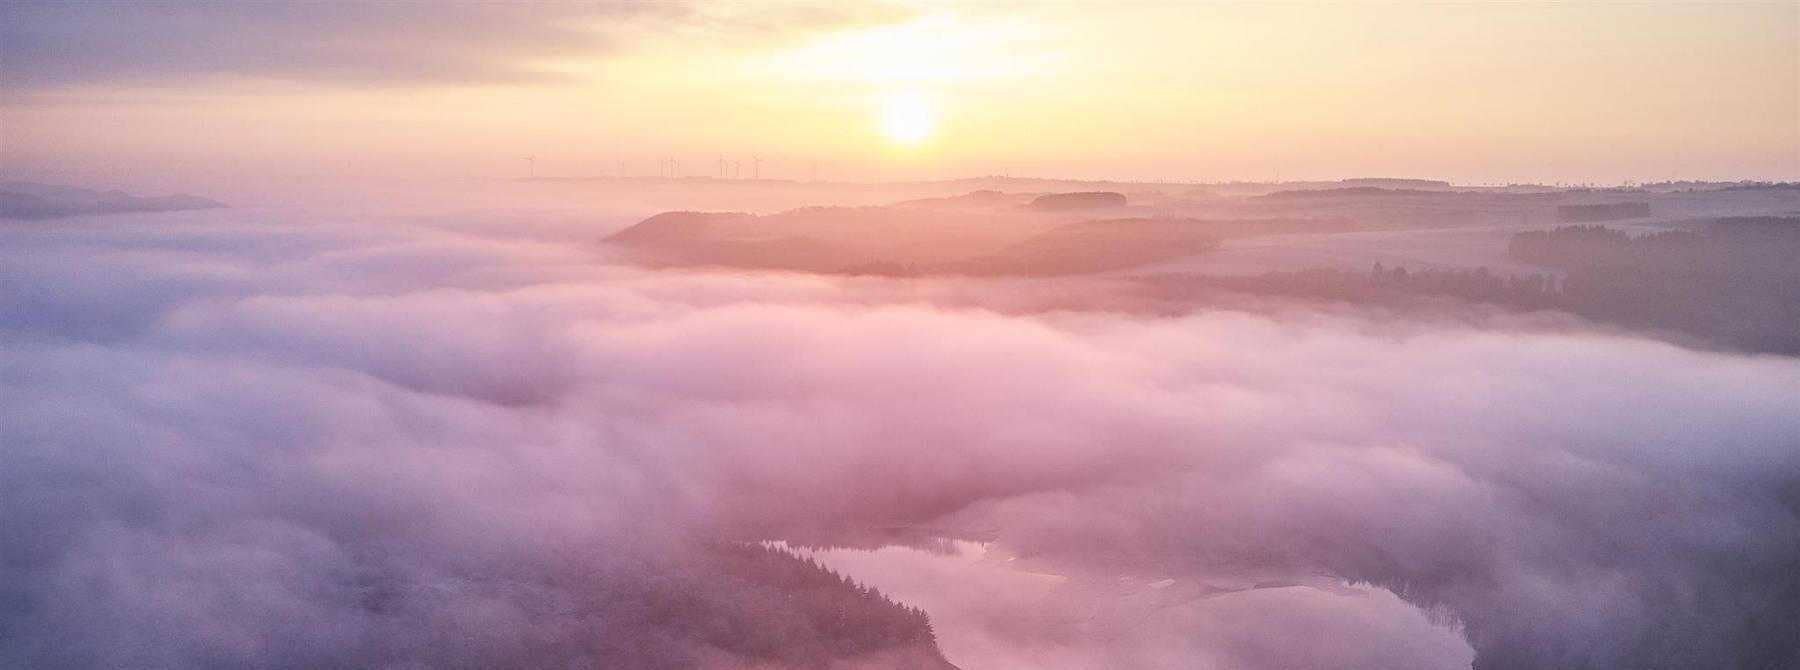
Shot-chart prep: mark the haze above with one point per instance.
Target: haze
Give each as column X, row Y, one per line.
column 899, row 336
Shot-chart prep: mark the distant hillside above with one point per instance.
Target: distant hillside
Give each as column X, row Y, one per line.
column 1097, row 246
column 27, row 200
column 1607, row 211
column 1734, row 281
column 1349, row 192
column 979, row 199
column 1392, row 182
column 978, row 234
column 833, row 239
column 1062, row 202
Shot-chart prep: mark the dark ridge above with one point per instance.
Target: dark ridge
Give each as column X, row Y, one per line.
column 26, row 200
column 1734, row 282
column 1764, row 186
column 1096, row 246
column 1064, row 202
column 1731, row 283
column 1610, row 211
column 1349, row 192
column 1395, row 182
column 982, row 198
column 676, row 226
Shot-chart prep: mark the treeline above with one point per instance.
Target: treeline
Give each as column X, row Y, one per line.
column 1381, row 284
column 1751, row 246
column 742, row 605
column 1734, row 282
column 833, row 613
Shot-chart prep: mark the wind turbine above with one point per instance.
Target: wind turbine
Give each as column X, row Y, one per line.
column 755, row 167
column 531, row 167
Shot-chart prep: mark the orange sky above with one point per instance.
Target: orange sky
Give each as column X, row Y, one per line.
column 1470, row 92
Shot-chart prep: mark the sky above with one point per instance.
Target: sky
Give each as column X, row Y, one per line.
column 130, row 93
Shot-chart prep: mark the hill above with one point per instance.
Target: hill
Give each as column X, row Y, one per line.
column 1063, row 202
column 28, row 200
column 832, row 239
column 979, row 234
column 1096, row 246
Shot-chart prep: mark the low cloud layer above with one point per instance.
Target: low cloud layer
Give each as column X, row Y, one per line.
column 233, row 441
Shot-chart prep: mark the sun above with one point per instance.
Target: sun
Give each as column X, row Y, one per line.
column 908, row 118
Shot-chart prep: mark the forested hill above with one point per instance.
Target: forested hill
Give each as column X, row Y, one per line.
column 1732, row 283
column 1735, row 281
column 761, row 606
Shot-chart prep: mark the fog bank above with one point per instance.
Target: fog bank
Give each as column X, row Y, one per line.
column 236, row 439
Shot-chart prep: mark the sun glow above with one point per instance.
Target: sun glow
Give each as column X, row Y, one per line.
column 908, row 118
